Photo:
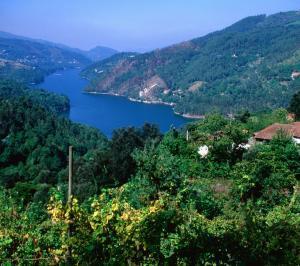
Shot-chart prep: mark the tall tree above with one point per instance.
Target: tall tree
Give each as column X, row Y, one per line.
column 295, row 105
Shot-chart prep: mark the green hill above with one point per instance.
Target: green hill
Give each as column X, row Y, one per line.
column 95, row 54
column 29, row 61
column 245, row 66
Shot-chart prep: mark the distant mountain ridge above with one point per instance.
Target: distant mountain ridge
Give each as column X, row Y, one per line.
column 29, row 60
column 95, row 54
column 248, row 65
column 99, row 53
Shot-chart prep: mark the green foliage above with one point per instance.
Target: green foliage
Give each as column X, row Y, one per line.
column 268, row 174
column 123, row 143
column 259, row 121
column 29, row 61
column 25, row 234
column 34, row 145
column 34, row 140
column 56, row 103
column 243, row 116
column 146, row 199
column 295, row 105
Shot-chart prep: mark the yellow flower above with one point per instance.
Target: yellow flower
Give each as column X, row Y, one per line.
column 129, row 227
column 115, row 207
column 96, row 214
column 124, row 216
column 152, row 209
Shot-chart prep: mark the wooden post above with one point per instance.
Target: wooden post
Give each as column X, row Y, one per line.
column 187, row 135
column 70, row 172
column 69, row 252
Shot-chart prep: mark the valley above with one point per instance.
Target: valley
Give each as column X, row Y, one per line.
column 184, row 155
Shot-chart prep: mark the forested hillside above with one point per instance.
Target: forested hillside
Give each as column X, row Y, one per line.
column 35, row 140
column 29, row 61
column 144, row 198
column 248, row 65
column 203, row 194
column 12, row 90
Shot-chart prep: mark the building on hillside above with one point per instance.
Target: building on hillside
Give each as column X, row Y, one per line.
column 295, row 74
column 269, row 132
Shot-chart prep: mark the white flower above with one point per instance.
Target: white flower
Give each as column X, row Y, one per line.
column 203, row 151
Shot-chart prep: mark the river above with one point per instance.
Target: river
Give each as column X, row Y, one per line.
column 107, row 112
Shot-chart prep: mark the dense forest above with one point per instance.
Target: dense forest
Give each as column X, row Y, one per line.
column 248, row 65
column 35, row 139
column 143, row 198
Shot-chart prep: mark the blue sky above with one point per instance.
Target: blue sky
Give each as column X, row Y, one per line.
column 128, row 25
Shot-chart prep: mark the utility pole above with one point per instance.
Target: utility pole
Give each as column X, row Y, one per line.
column 70, row 225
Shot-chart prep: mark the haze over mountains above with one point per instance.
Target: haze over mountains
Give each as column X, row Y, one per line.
column 95, row 54
column 29, row 60
column 248, row 65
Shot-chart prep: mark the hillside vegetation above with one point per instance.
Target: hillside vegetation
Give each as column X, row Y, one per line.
column 248, row 65
column 34, row 141
column 95, row 54
column 29, row 61
column 12, row 90
column 143, row 198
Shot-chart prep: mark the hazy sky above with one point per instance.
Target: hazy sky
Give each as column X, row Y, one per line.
column 131, row 25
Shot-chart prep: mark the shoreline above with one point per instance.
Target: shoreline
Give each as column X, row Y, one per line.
column 190, row 116
column 187, row 115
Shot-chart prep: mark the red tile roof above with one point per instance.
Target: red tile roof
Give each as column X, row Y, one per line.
column 269, row 132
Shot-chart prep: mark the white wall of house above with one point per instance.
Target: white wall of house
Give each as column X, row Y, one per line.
column 296, row 140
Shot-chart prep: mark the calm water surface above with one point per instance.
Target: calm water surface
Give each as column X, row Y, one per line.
column 107, row 112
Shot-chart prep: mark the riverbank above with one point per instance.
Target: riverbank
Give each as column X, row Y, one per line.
column 187, row 115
